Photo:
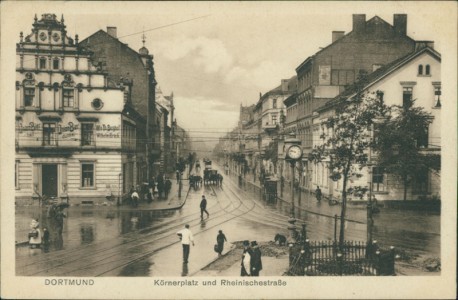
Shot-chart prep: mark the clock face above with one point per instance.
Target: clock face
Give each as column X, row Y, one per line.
column 295, row 152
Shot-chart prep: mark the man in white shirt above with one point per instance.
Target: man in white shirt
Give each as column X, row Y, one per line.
column 186, row 239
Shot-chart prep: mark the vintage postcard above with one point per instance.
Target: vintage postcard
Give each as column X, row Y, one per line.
column 228, row 150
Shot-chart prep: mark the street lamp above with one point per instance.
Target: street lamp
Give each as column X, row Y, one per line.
column 119, row 190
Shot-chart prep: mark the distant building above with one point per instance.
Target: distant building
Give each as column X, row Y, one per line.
column 321, row 77
column 122, row 62
column 75, row 127
column 414, row 76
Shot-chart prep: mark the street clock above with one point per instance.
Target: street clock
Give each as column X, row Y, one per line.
column 295, row 152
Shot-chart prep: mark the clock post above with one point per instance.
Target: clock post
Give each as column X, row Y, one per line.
column 293, row 153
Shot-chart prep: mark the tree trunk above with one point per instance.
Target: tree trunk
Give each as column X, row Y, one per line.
column 343, row 211
column 404, row 179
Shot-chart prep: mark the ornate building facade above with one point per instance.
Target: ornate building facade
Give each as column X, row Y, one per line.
column 75, row 128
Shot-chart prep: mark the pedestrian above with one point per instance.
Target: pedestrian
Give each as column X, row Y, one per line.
column 246, row 259
column 34, row 234
column 59, row 217
column 203, row 207
column 45, row 239
column 167, row 187
column 318, row 193
column 220, row 239
column 186, row 239
column 134, row 196
column 178, row 176
column 152, row 185
column 256, row 262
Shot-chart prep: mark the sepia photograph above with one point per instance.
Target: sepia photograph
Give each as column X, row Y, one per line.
column 179, row 149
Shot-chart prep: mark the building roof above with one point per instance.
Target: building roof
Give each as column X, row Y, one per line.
column 379, row 74
column 374, row 21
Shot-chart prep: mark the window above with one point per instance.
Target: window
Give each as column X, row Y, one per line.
column 377, row 179
column 420, row 182
column 380, row 95
column 68, row 97
column 407, row 96
column 274, row 103
column 420, row 70
column 342, row 77
column 87, row 175
column 16, row 174
column 427, row 70
column 55, row 64
column 29, row 95
column 437, row 96
column 49, row 134
column 422, row 139
column 87, row 134
column 274, row 119
column 42, row 63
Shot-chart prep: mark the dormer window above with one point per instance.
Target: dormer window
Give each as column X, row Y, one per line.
column 420, row 70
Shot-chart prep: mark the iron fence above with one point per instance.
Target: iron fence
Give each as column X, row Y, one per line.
column 328, row 258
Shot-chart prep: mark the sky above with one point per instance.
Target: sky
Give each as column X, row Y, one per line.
column 215, row 56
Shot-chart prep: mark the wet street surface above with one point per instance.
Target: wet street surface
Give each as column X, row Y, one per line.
column 107, row 241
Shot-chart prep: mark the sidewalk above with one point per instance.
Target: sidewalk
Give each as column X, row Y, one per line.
column 275, row 261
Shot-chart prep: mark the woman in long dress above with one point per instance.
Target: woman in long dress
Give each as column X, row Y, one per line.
column 35, row 234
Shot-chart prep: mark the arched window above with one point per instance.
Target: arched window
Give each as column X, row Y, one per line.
column 428, row 70
column 420, row 70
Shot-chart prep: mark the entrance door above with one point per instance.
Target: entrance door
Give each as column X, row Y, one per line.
column 49, row 179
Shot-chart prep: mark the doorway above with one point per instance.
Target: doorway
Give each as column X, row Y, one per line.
column 49, row 179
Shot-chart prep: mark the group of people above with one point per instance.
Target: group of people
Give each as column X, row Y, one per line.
column 38, row 238
column 160, row 187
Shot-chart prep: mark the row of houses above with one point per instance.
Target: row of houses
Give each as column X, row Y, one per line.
column 397, row 67
column 91, row 121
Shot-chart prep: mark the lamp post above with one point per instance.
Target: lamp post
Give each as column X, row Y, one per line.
column 119, row 189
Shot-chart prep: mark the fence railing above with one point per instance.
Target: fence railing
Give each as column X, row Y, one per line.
column 328, row 258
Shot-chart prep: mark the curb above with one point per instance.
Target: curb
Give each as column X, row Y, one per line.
column 176, row 207
column 233, row 247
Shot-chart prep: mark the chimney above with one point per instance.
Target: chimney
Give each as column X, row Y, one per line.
column 400, row 23
column 284, row 85
column 112, row 31
column 337, row 35
column 359, row 23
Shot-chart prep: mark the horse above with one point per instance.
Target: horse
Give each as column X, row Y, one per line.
column 219, row 179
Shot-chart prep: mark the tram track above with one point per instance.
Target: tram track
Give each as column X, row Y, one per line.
column 131, row 237
column 220, row 213
column 105, row 261
column 112, row 251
